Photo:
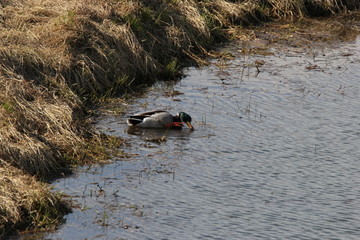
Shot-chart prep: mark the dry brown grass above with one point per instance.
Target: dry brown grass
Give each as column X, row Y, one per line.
column 56, row 56
column 24, row 202
column 299, row 8
column 35, row 124
column 226, row 13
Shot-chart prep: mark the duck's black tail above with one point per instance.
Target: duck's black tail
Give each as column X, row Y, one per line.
column 133, row 120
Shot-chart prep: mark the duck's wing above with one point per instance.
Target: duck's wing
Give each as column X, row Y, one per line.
column 161, row 117
column 151, row 119
column 148, row 114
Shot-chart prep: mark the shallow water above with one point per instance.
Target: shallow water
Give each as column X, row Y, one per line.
column 274, row 155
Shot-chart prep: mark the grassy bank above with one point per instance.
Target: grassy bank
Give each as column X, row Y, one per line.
column 59, row 57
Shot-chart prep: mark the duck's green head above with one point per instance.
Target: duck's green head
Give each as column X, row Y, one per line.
column 184, row 117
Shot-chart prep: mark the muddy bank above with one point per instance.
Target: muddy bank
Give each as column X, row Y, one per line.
column 58, row 58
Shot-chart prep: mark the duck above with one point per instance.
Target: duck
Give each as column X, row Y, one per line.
column 160, row 119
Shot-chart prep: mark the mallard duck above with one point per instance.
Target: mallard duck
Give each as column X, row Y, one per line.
column 160, row 119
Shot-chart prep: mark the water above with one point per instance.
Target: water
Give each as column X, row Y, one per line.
column 274, row 156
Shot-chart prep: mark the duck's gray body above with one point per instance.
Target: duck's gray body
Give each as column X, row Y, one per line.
column 152, row 119
column 160, row 119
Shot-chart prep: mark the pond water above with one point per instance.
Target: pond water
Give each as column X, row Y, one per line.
column 274, row 155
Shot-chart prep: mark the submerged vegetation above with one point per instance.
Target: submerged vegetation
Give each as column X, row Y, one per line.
column 57, row 57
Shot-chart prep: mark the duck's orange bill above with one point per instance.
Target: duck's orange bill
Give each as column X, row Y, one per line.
column 189, row 125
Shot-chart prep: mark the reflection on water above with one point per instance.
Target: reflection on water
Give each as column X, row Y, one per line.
column 274, row 156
